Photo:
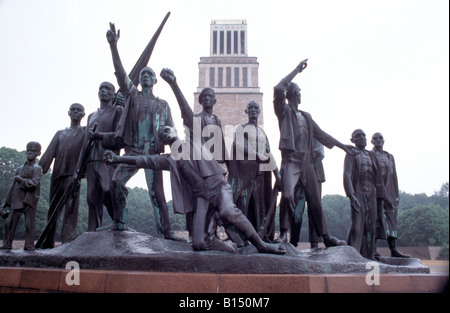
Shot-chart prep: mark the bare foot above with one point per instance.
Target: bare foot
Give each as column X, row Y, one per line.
column 275, row 248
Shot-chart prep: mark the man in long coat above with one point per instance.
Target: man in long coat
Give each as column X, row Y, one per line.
column 64, row 151
column 99, row 174
column 297, row 130
column 144, row 116
column 387, row 206
column 250, row 171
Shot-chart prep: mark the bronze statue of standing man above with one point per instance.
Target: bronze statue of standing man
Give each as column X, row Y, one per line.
column 297, row 131
column 360, row 184
column 144, row 116
column 387, row 207
column 64, row 151
column 250, row 174
column 99, row 174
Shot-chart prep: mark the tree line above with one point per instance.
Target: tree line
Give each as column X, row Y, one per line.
column 423, row 220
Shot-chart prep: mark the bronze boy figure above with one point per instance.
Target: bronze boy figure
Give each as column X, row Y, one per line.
column 23, row 198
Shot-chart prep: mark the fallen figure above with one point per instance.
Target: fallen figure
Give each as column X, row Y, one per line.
column 193, row 192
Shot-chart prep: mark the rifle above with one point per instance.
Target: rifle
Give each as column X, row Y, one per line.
column 145, row 56
column 70, row 194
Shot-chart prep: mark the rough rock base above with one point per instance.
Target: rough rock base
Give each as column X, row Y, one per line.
column 134, row 251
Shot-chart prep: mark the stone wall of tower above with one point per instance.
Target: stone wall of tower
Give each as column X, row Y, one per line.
column 230, row 107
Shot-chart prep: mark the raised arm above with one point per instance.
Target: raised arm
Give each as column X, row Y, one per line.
column 279, row 91
column 113, row 37
column 286, row 80
column 186, row 112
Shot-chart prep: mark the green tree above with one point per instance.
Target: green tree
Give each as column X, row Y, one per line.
column 443, row 192
column 424, row 226
column 440, row 197
column 409, row 201
column 140, row 212
column 10, row 160
column 142, row 215
column 336, row 209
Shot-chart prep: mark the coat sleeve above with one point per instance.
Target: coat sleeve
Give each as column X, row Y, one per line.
column 323, row 137
column 33, row 184
column 348, row 174
column 395, row 179
column 279, row 100
column 47, row 158
column 378, row 179
column 186, row 112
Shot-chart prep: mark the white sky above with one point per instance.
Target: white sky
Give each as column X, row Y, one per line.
column 377, row 65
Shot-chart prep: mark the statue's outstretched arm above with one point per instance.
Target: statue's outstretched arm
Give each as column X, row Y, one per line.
column 186, row 112
column 287, row 79
column 113, row 37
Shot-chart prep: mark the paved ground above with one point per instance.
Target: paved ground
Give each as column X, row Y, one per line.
column 437, row 266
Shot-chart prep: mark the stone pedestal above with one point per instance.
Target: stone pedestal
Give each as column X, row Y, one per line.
column 112, row 262
column 134, row 251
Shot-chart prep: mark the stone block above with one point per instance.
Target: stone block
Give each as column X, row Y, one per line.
column 10, row 276
column 41, row 279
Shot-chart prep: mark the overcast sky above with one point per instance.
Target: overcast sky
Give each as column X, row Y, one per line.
column 382, row 66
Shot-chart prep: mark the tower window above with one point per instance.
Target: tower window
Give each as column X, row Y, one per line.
column 215, row 42
column 220, row 77
column 222, row 41
column 236, row 77
column 229, row 42
column 244, row 77
column 212, row 73
column 242, row 42
column 228, row 77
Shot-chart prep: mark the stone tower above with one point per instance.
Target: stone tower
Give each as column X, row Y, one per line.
column 231, row 73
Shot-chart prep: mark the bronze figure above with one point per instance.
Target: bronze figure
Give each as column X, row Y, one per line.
column 64, row 151
column 297, row 131
column 23, row 197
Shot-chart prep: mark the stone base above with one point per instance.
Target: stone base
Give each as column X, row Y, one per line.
column 134, row 251
column 24, row 279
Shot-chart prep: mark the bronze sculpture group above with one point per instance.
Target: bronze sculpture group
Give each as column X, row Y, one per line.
column 244, row 203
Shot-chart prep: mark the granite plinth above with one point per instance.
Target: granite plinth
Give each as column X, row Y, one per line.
column 134, row 251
